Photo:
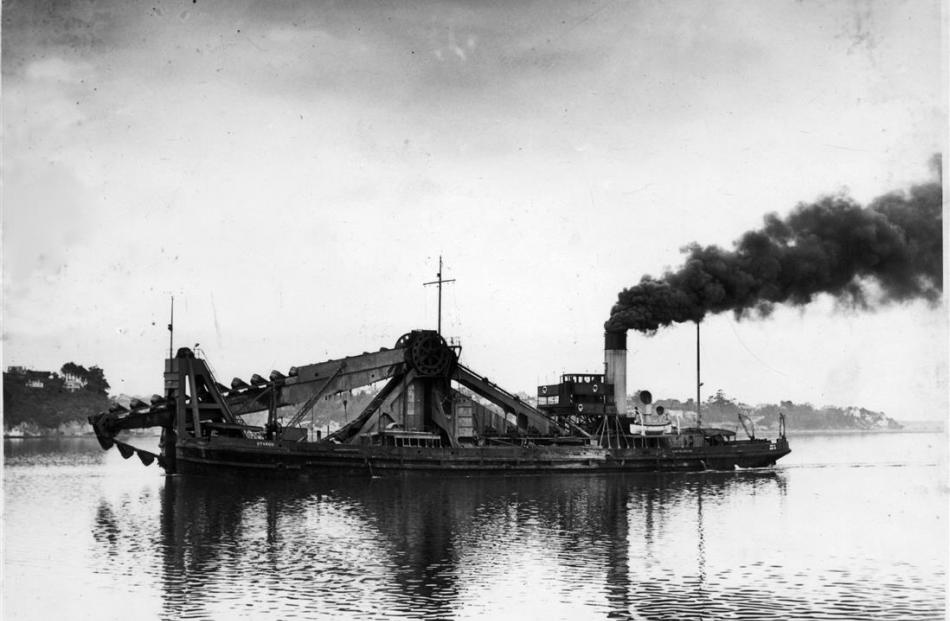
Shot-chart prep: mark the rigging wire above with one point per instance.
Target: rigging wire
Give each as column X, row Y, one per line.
column 751, row 353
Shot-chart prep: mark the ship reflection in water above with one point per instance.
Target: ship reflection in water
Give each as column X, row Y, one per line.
column 614, row 546
column 853, row 527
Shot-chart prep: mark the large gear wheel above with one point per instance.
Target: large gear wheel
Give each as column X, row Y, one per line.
column 427, row 353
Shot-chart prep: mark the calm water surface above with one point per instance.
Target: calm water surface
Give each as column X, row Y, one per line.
column 850, row 526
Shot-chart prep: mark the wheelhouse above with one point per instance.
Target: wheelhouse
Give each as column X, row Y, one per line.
column 576, row 394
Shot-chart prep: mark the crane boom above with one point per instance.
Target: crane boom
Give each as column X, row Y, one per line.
column 417, row 398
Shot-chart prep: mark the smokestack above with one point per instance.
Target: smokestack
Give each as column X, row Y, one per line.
column 615, row 366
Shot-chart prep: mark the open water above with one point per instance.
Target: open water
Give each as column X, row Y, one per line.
column 849, row 526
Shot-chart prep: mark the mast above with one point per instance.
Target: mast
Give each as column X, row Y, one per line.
column 439, row 282
column 699, row 416
column 171, row 328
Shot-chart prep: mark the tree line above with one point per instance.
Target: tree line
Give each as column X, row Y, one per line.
column 719, row 407
column 94, row 376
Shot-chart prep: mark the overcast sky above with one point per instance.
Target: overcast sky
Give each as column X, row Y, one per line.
column 292, row 171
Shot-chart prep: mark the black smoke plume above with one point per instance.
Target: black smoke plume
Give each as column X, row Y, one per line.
column 832, row 246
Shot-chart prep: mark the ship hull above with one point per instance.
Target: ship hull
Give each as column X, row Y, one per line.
column 288, row 460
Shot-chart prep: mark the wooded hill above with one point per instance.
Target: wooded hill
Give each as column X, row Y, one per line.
column 720, row 408
column 41, row 400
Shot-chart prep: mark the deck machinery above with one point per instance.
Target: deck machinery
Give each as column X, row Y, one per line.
column 430, row 412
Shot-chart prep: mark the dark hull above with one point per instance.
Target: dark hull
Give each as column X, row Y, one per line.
column 258, row 458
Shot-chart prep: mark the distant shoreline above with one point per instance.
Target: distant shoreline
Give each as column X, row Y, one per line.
column 935, row 428
column 47, row 436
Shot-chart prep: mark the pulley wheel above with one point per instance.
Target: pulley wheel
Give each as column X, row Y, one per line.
column 429, row 355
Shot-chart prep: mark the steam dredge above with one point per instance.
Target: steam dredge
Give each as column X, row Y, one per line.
column 431, row 413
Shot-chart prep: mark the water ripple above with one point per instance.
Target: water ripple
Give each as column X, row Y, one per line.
column 816, row 540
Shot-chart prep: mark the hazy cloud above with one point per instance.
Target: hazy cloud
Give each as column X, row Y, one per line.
column 318, row 157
